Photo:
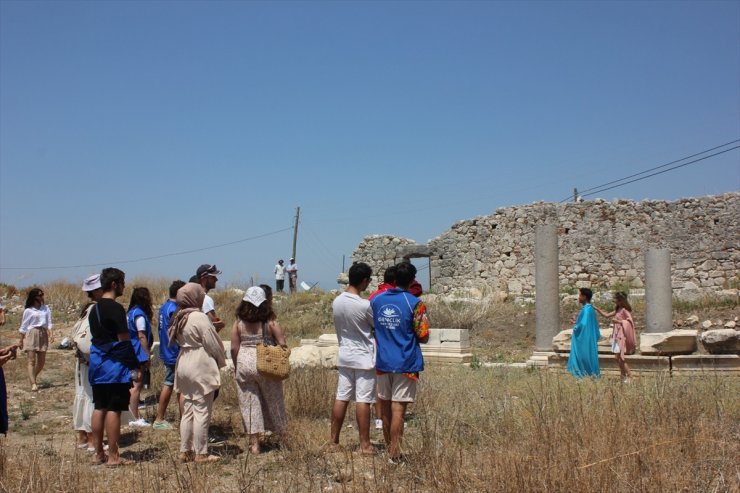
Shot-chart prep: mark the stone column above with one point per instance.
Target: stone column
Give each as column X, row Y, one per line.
column 658, row 292
column 547, row 298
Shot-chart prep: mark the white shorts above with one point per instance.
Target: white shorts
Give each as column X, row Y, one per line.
column 356, row 385
column 396, row 387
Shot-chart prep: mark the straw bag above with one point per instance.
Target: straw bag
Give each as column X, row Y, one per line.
column 272, row 360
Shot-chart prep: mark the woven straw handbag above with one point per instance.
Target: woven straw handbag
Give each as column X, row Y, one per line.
column 272, row 360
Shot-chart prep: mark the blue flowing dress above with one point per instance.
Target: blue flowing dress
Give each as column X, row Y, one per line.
column 584, row 353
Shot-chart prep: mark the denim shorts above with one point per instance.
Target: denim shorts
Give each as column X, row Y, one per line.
column 169, row 375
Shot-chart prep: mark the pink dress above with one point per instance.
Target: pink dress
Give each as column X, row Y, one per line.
column 260, row 398
column 624, row 332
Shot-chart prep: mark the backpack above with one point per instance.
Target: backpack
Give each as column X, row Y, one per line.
column 82, row 337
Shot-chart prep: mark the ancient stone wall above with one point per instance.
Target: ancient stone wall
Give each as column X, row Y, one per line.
column 601, row 244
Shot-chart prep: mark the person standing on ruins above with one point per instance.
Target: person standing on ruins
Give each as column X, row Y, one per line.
column 279, row 276
column 623, row 333
column 292, row 270
column 353, row 321
column 401, row 323
column 584, row 353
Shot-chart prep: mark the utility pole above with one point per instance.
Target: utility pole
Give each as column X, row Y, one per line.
column 575, row 195
column 295, row 229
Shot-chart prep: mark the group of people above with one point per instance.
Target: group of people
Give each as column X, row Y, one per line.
column 379, row 358
column 584, row 354
column 280, row 270
column 114, row 355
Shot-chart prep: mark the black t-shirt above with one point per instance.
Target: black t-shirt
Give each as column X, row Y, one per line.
column 113, row 318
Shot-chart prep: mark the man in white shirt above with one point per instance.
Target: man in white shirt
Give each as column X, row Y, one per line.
column 207, row 275
column 280, row 276
column 292, row 270
column 353, row 320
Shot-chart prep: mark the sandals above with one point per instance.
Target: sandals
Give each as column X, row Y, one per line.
column 188, row 456
column 205, row 458
column 121, row 463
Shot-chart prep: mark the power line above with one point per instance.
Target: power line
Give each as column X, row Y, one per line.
column 584, row 193
column 663, row 171
column 142, row 259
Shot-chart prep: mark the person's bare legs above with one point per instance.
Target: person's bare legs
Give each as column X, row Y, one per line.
column 338, row 412
column 624, row 370
column 385, row 415
column 398, row 410
column 362, row 413
column 135, row 393
column 40, row 362
column 164, row 401
column 32, row 369
column 82, row 437
column 113, row 430
column 254, row 443
column 98, row 426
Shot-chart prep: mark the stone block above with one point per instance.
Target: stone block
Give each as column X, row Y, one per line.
column 681, row 341
column 721, row 341
column 327, row 340
column 699, row 363
column 305, row 356
column 455, row 335
column 561, row 341
column 435, row 337
column 329, row 356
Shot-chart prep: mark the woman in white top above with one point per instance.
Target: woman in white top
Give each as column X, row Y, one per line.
column 36, row 333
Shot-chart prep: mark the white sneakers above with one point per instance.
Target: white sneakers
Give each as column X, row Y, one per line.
column 139, row 423
column 378, row 424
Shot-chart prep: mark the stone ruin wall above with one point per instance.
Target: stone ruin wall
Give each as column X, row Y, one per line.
column 602, row 244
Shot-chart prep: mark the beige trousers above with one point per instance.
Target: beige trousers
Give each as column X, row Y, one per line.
column 196, row 417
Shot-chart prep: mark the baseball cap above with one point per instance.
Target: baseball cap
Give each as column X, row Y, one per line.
column 91, row 283
column 255, row 295
column 207, row 270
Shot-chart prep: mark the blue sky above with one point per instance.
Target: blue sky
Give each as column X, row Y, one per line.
column 139, row 129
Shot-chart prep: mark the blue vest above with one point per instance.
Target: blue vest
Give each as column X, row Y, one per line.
column 131, row 316
column 168, row 353
column 112, row 363
column 393, row 316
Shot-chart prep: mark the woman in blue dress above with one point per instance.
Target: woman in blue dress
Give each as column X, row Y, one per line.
column 584, row 353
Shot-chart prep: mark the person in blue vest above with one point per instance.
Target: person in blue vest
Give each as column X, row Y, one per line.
column 139, row 319
column 401, row 324
column 584, row 353
column 168, row 352
column 113, row 365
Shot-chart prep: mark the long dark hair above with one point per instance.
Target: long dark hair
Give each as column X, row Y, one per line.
column 32, row 295
column 143, row 299
column 620, row 300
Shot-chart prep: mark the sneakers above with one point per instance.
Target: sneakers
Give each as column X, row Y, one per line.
column 139, row 423
column 162, row 425
column 378, row 424
column 215, row 439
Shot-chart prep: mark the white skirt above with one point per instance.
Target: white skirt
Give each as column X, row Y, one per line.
column 83, row 407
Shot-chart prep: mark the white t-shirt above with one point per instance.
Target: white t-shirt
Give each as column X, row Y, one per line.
column 208, row 304
column 35, row 317
column 280, row 272
column 353, row 321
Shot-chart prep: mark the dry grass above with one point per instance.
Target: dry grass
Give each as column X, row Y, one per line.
column 470, row 430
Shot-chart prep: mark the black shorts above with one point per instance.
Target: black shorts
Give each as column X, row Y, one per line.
column 111, row 396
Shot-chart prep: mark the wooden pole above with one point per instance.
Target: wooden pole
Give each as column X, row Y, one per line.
column 295, row 229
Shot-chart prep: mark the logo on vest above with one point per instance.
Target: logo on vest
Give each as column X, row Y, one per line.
column 390, row 317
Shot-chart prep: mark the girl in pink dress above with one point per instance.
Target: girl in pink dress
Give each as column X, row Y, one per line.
column 623, row 334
